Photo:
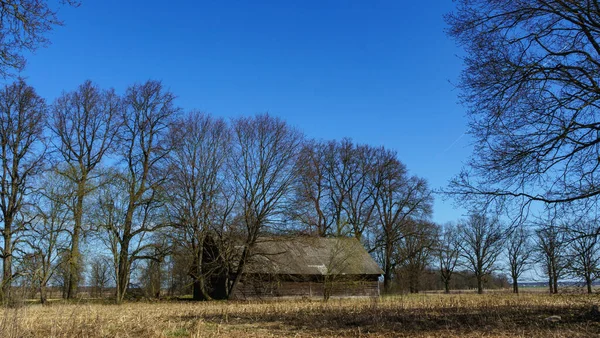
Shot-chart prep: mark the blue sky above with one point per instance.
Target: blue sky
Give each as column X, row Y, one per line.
column 379, row 72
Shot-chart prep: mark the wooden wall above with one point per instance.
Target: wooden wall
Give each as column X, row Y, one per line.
column 260, row 288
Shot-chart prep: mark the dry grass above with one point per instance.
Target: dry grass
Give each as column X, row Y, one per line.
column 498, row 315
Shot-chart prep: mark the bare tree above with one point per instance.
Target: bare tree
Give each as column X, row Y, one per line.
column 264, row 167
column 46, row 235
column 339, row 259
column 312, row 199
column 583, row 255
column 398, row 199
column 197, row 175
column 24, row 25
column 85, row 123
column 481, row 240
column 550, row 246
column 415, row 251
column 143, row 147
column 519, row 251
column 100, row 275
column 340, row 167
column 22, row 153
column 448, row 252
column 359, row 204
column 532, row 97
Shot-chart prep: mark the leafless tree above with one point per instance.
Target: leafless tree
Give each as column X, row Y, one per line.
column 448, row 252
column 481, row 240
column 46, row 237
column 85, row 123
column 312, row 205
column 415, row 251
column 340, row 167
column 583, row 255
column 519, row 251
column 359, row 204
column 197, row 175
column 24, row 25
column 22, row 152
column 264, row 167
column 550, row 246
column 133, row 202
column 532, row 97
column 100, row 275
column 398, row 199
column 340, row 258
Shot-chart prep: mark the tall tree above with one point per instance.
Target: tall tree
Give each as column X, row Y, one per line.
column 530, row 86
column 264, row 167
column 143, row 146
column 398, row 200
column 22, row 153
column 341, row 169
column 85, row 123
column 481, row 240
column 197, row 174
column 312, row 205
column 359, row 204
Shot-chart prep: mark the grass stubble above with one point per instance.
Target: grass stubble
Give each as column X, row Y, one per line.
column 459, row 315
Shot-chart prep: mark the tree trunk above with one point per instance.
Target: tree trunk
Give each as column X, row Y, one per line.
column 74, row 258
column 387, row 276
column 239, row 272
column 7, row 262
column 387, row 279
column 446, row 286
column 515, row 285
column 73, row 281
column 199, row 284
column 123, row 275
column 43, row 293
column 479, row 284
column 588, row 282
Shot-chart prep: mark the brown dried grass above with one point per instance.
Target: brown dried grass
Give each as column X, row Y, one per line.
column 464, row 315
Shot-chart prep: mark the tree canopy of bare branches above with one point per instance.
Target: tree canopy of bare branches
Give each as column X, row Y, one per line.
column 264, row 168
column 530, row 86
column 197, row 174
column 143, row 147
column 85, row 124
column 481, row 240
column 22, row 153
column 24, row 25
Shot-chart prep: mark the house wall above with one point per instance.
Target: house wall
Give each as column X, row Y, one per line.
column 259, row 288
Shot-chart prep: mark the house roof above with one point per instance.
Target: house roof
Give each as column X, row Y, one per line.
column 311, row 256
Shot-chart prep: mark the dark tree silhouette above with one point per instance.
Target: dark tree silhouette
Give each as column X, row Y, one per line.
column 531, row 89
column 24, row 25
column 22, row 153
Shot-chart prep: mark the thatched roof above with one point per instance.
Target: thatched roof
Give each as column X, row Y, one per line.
column 311, row 256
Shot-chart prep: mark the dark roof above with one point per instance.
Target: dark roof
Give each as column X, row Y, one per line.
column 311, row 256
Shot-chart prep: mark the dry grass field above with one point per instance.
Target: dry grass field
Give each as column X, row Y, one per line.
column 462, row 315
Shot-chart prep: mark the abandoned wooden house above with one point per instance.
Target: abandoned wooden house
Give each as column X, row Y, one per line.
column 309, row 267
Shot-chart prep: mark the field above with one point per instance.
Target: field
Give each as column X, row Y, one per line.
column 459, row 315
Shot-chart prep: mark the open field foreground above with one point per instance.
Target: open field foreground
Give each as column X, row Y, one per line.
column 465, row 315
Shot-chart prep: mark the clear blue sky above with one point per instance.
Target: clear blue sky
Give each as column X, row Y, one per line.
column 379, row 72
